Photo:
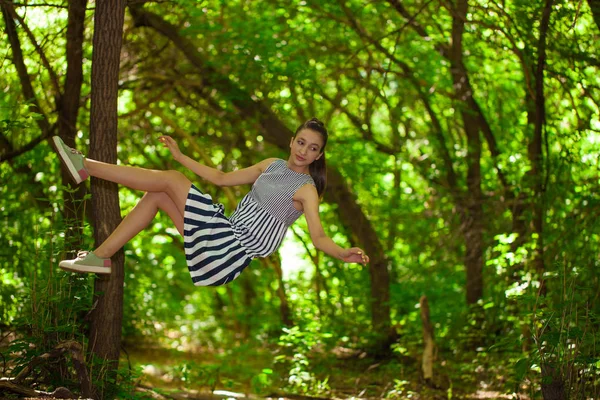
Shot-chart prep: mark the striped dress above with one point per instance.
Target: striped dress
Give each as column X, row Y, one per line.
column 218, row 248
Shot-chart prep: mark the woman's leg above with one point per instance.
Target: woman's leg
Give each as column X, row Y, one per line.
column 173, row 183
column 138, row 219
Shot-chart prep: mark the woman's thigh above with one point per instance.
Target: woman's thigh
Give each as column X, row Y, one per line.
column 178, row 186
column 165, row 203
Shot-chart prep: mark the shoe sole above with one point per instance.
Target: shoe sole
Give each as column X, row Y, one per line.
column 64, row 159
column 86, row 269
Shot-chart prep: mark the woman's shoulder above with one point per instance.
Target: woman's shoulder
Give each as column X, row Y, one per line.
column 268, row 163
column 308, row 192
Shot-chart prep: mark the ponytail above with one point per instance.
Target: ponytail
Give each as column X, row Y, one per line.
column 318, row 171
column 318, row 168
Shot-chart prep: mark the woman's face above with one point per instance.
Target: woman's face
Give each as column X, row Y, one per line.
column 306, row 147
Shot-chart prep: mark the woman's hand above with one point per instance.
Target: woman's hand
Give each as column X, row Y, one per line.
column 169, row 142
column 354, row 255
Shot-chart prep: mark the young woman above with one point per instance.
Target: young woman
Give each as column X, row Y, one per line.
column 218, row 248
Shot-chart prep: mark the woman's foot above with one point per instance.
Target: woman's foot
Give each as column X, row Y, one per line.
column 72, row 159
column 87, row 261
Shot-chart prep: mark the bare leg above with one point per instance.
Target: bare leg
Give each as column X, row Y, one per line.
column 173, row 183
column 139, row 218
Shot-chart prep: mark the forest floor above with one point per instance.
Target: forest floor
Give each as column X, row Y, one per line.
column 251, row 372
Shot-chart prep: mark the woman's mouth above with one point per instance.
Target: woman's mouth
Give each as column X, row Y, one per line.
column 299, row 158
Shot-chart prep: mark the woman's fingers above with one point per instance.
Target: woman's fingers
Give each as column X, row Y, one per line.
column 168, row 141
column 361, row 253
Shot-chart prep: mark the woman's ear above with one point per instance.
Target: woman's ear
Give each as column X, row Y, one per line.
column 319, row 156
column 291, row 142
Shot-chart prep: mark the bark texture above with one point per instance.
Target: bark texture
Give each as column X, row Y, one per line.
column 106, row 318
column 536, row 156
column 471, row 207
column 68, row 110
column 428, row 341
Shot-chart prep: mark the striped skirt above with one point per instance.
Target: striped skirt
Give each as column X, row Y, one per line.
column 214, row 254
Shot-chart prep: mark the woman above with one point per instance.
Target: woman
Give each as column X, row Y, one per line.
column 218, row 248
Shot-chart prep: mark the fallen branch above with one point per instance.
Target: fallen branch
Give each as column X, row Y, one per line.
column 59, row 393
column 76, row 351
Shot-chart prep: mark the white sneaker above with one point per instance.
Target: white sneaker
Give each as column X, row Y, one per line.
column 72, row 159
column 87, row 261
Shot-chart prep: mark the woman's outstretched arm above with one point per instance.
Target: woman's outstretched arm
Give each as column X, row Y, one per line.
column 214, row 176
column 308, row 197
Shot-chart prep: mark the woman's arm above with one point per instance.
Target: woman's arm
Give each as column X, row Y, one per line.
column 307, row 195
column 214, row 176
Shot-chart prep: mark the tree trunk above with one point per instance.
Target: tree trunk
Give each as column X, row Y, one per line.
column 7, row 151
column 536, row 149
column 68, row 109
column 553, row 385
column 469, row 201
column 247, row 281
column 8, row 13
column 471, row 204
column 284, row 306
column 106, row 318
column 278, row 134
column 428, row 341
column 595, row 7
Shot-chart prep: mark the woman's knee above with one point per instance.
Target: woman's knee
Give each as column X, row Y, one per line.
column 156, row 198
column 178, row 186
column 176, row 176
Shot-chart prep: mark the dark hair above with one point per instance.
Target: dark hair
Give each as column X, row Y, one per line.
column 318, row 168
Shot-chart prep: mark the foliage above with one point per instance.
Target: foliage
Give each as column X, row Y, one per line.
column 381, row 75
column 297, row 346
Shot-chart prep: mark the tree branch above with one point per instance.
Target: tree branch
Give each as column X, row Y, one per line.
column 367, row 134
column 24, row 149
column 76, row 351
column 38, row 49
column 18, row 60
column 451, row 175
column 465, row 92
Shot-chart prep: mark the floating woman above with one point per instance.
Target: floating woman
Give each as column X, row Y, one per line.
column 218, row 248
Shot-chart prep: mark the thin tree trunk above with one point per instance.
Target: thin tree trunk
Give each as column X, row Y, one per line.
column 428, row 341
column 68, row 109
column 284, row 306
column 536, row 149
column 471, row 207
column 8, row 12
column 106, row 318
column 249, row 296
column 595, row 7
column 469, row 202
column 553, row 385
column 7, row 151
column 237, row 325
column 67, row 105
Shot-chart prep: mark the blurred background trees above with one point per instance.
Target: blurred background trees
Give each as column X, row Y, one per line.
column 463, row 157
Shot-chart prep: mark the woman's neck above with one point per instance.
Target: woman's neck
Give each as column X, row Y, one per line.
column 301, row 169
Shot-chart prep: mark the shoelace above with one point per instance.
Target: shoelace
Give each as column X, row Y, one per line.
column 75, row 151
column 82, row 254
